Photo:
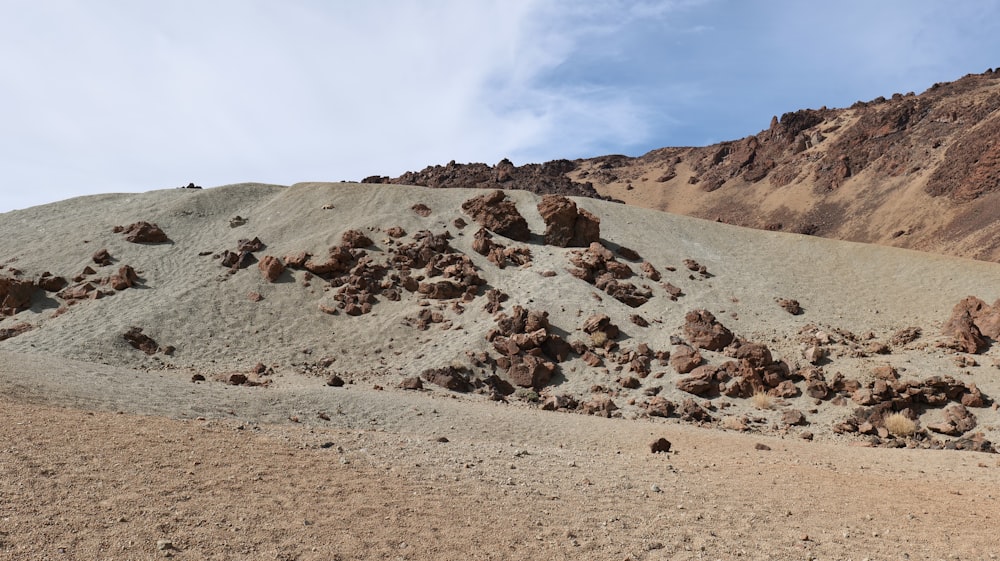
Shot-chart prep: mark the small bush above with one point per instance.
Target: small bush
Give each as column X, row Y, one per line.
column 900, row 425
column 599, row 339
column 761, row 400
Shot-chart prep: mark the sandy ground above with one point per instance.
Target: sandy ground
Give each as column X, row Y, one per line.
column 375, row 482
column 108, row 453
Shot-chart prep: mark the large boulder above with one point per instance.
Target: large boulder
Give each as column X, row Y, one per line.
column 566, row 225
column 964, row 331
column 703, row 331
column 495, row 212
column 143, row 232
column 15, row 295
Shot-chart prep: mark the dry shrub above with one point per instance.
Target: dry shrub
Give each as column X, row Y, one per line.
column 599, row 339
column 899, row 424
column 761, row 400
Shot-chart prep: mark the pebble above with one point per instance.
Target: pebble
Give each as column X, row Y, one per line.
column 655, row 488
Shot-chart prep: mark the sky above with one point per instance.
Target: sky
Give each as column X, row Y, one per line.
column 101, row 96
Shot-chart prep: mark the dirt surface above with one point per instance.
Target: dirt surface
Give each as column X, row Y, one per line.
column 509, row 483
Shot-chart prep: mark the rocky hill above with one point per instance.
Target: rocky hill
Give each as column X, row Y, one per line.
column 914, row 171
column 571, row 304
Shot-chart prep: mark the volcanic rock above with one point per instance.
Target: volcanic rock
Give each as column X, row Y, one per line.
column 15, row 295
column 271, row 268
column 685, row 358
column 448, row 377
column 963, row 330
column 529, row 371
column 141, row 341
column 660, row 445
column 125, row 278
column 143, row 232
column 495, row 212
column 102, row 257
column 565, row 225
column 703, row 331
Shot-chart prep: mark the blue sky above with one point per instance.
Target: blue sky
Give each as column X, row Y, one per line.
column 105, row 96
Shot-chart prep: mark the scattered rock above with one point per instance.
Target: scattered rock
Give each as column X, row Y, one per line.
column 271, row 268
column 143, row 232
column 453, row 378
column 141, row 341
column 660, row 445
column 790, row 306
column 412, row 383
column 102, row 257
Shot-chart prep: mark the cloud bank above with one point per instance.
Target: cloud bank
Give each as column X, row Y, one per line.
column 105, row 96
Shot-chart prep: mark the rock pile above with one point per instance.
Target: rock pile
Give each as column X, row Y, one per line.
column 598, row 266
column 529, row 351
column 499, row 254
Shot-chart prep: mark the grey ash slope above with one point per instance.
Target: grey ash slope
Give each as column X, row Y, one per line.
column 188, row 301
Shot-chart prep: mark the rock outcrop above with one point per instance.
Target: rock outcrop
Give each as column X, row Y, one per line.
column 566, row 225
column 495, row 212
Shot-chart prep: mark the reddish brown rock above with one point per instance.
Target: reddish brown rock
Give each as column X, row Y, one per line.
column 529, row 371
column 700, row 382
column 962, row 329
column 141, row 341
column 355, row 239
column 144, row 232
column 15, row 330
column 793, row 417
column 790, row 306
column 125, row 278
column 395, row 232
column 658, row 406
column 449, row 377
column 249, row 245
column 565, row 225
column 271, row 268
column 412, row 383
column 591, row 359
column 102, row 257
column 703, row 331
column 660, row 446
column 602, row 406
column 685, row 358
column 602, row 323
column 650, row 271
column 495, row 212
column 50, row 283
column 421, row 209
column 15, row 295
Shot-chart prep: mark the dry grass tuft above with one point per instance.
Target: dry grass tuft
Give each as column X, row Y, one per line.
column 899, row 424
column 599, row 339
column 761, row 400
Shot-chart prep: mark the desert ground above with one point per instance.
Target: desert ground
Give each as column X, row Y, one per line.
column 112, row 453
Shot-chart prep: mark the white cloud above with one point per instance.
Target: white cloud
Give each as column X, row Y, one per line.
column 108, row 95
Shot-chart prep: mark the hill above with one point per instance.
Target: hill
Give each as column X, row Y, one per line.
column 914, row 171
column 362, row 371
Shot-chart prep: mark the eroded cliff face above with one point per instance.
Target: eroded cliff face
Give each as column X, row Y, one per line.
column 916, row 171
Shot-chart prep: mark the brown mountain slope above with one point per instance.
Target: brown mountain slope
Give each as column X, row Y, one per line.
column 915, row 171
